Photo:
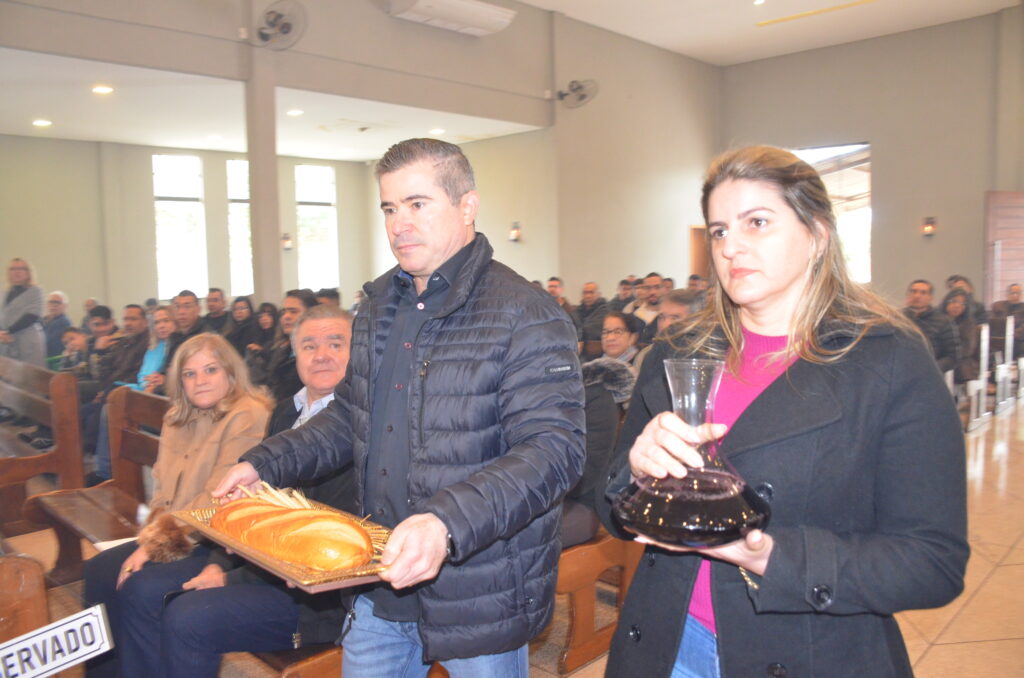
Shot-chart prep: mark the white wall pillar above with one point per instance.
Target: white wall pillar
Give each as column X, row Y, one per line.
column 261, row 132
column 1009, row 147
column 218, row 246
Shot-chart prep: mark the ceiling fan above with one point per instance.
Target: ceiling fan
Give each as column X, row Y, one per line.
column 578, row 92
column 280, row 26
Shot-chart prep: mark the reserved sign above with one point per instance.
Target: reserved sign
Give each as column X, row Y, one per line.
column 57, row 646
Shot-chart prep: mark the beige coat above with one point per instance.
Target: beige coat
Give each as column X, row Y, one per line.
column 194, row 457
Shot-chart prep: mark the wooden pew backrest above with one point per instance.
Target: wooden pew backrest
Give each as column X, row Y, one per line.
column 51, row 399
column 132, row 417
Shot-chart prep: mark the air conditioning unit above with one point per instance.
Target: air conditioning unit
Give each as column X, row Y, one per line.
column 470, row 17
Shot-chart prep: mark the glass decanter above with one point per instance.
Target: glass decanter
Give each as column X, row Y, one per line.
column 710, row 506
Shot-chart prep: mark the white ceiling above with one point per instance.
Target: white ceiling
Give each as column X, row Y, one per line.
column 726, row 32
column 167, row 109
column 177, row 110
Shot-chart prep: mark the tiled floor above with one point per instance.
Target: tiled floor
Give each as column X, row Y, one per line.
column 981, row 633
column 594, row 669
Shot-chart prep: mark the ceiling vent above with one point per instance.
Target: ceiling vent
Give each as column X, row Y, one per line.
column 470, row 17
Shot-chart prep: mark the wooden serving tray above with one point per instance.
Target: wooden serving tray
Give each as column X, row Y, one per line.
column 305, row 578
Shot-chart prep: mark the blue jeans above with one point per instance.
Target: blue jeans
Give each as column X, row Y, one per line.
column 378, row 648
column 134, row 611
column 197, row 627
column 698, row 652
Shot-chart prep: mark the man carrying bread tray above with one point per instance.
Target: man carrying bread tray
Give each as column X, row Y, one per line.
column 462, row 412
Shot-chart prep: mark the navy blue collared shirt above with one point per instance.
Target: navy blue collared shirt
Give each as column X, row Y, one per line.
column 386, row 486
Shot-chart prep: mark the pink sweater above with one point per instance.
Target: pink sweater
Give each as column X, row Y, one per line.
column 734, row 395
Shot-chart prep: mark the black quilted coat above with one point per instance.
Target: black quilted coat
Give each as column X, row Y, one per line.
column 496, row 430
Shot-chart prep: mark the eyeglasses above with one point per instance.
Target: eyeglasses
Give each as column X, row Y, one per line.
column 617, row 332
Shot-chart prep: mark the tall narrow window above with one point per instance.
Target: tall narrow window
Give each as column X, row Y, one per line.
column 846, row 171
column 180, row 225
column 317, row 221
column 239, row 229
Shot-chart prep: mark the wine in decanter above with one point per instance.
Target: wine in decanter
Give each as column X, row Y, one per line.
column 711, row 505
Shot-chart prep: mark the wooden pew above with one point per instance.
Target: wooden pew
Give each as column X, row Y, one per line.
column 108, row 511
column 23, row 603
column 579, row 569
column 50, row 399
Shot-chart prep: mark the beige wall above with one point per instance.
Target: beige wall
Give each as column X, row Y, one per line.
column 629, row 161
column 604, row 190
column 1009, row 79
column 516, row 179
column 50, row 214
column 926, row 101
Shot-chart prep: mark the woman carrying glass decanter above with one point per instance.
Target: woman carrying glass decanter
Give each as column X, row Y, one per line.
column 832, row 411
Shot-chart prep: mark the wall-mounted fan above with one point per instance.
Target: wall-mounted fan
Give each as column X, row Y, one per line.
column 577, row 93
column 280, row 26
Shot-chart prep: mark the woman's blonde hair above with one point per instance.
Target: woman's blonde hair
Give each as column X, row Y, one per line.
column 831, row 295
column 181, row 410
column 31, row 269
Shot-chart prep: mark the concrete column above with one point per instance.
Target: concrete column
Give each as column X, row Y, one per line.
column 1009, row 142
column 218, row 246
column 260, row 113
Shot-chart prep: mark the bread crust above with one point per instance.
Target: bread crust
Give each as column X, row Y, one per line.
column 316, row 538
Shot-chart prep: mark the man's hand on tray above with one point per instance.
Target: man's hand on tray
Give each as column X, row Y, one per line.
column 416, row 550
column 238, row 476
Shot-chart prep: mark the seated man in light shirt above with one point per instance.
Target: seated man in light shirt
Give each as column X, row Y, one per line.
column 320, row 341
column 240, row 608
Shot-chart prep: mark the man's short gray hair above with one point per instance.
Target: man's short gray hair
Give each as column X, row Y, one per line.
column 318, row 312
column 58, row 293
column 454, row 173
column 684, row 297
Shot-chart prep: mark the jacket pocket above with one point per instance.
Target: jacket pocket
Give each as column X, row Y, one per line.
column 515, row 562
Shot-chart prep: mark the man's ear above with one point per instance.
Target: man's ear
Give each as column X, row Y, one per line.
column 469, row 203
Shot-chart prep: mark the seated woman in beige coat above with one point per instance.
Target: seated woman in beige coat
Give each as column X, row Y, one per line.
column 215, row 416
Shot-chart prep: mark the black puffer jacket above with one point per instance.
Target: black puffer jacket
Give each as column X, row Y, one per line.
column 496, row 429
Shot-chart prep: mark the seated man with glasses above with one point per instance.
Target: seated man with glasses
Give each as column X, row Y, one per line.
column 648, row 299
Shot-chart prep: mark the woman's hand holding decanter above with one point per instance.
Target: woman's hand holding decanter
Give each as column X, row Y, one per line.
column 751, row 553
column 667, row 445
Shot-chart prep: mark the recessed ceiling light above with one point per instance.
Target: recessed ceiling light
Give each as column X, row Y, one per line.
column 102, row 89
column 758, row 2
column 214, row 137
column 295, row 112
column 436, row 130
column 42, row 123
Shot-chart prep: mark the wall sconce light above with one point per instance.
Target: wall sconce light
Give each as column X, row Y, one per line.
column 928, row 227
column 286, row 242
column 516, row 232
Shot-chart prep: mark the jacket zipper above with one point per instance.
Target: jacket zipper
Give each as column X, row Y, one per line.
column 424, row 367
column 371, row 347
